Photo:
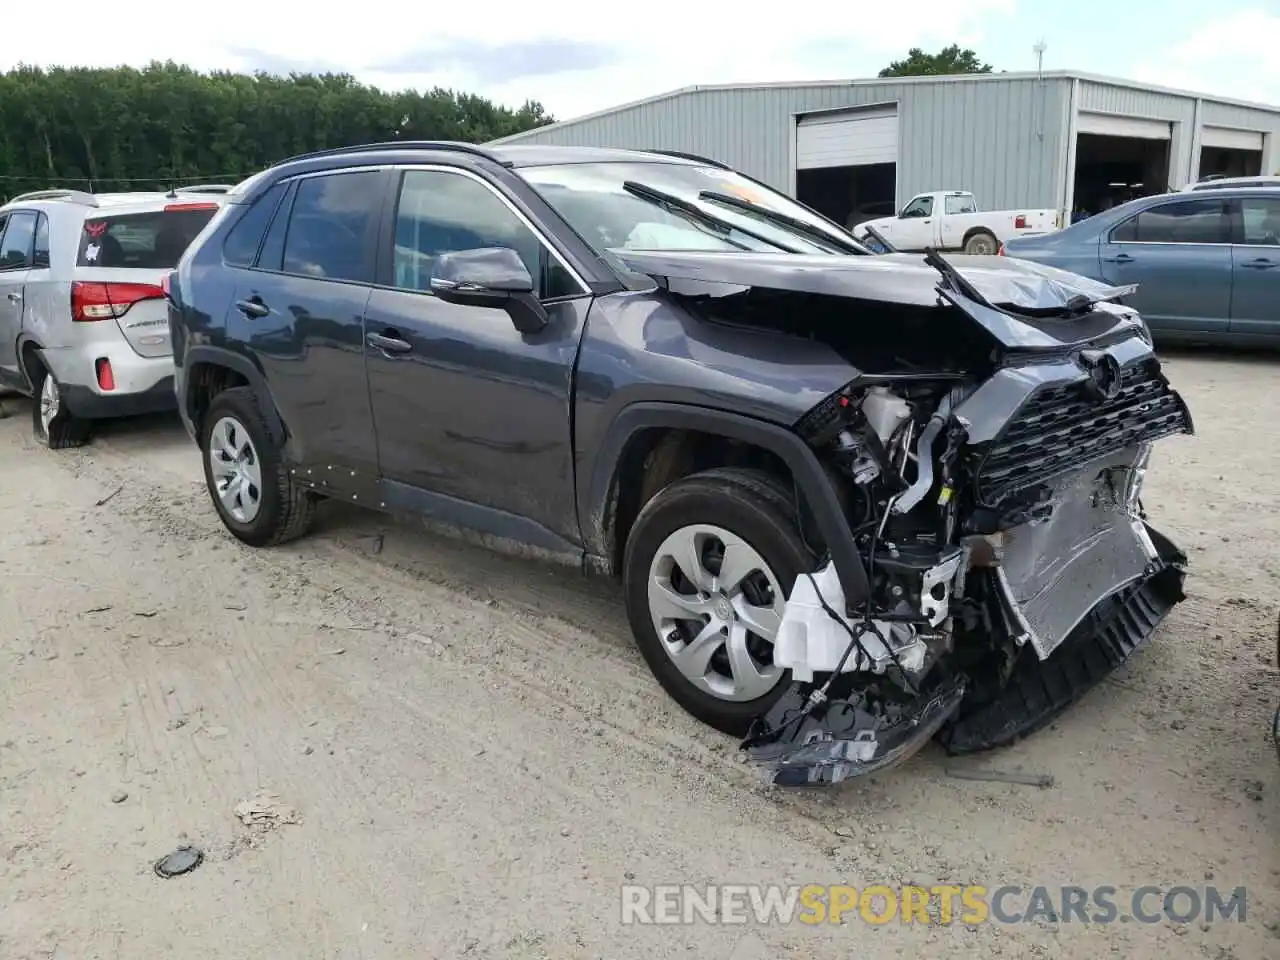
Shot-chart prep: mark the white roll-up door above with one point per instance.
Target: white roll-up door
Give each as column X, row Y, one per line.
column 847, row 138
column 1140, row 128
column 1231, row 139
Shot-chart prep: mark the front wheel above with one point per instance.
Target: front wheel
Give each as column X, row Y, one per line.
column 981, row 244
column 708, row 566
column 245, row 473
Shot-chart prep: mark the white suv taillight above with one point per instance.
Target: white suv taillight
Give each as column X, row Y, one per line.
column 106, row 301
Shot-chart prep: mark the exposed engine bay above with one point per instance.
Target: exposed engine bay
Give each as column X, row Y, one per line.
column 986, row 544
column 989, row 459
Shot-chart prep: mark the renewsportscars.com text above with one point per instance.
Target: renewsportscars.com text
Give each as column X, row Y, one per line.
column 814, row 904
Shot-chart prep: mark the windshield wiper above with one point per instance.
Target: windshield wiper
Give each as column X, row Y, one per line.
column 880, row 238
column 691, row 211
column 954, row 278
column 807, row 230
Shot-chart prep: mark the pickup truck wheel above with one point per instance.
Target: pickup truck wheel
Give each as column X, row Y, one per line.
column 250, row 487
column 981, row 244
column 707, row 568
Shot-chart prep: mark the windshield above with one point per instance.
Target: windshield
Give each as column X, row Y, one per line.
column 594, row 198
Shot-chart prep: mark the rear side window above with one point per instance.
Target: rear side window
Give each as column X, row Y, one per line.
column 149, row 241
column 331, row 226
column 15, row 247
column 1186, row 221
column 41, row 256
column 241, row 247
column 271, row 255
column 958, row 205
column 1260, row 218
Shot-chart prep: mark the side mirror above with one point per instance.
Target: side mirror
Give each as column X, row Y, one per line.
column 489, row 277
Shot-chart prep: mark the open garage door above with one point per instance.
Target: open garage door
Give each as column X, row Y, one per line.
column 846, row 162
column 1136, row 128
column 1118, row 159
column 1230, row 153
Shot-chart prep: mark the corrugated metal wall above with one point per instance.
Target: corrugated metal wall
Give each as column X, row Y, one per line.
column 1151, row 105
column 1006, row 139
column 1247, row 118
column 1184, row 148
column 1002, row 139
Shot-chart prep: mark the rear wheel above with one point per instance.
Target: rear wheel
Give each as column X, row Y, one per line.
column 244, row 471
column 981, row 244
column 709, row 563
column 52, row 424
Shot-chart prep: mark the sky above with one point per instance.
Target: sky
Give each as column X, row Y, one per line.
column 577, row 57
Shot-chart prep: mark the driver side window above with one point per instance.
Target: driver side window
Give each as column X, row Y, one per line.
column 444, row 212
column 919, row 207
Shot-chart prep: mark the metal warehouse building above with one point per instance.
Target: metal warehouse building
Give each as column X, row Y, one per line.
column 861, row 148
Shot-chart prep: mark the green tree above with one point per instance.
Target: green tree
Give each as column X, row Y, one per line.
column 949, row 60
column 123, row 128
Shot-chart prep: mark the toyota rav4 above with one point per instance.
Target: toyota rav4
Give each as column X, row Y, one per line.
column 855, row 501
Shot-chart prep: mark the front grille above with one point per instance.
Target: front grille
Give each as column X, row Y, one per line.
column 1061, row 428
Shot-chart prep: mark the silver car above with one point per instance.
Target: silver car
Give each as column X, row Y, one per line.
column 84, row 325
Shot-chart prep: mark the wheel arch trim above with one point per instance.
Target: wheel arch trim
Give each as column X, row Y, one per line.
column 25, row 342
column 597, row 494
column 221, row 357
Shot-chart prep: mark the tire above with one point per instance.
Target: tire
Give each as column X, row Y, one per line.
column 753, row 509
column 981, row 244
column 52, row 424
column 270, row 508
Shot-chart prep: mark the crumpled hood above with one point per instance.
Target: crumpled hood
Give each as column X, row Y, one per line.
column 901, row 278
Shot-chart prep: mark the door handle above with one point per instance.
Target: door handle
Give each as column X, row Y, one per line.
column 15, row 297
column 1118, row 258
column 253, row 308
column 388, row 344
column 1259, row 263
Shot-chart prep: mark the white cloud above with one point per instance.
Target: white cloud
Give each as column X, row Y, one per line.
column 1232, row 55
column 650, row 47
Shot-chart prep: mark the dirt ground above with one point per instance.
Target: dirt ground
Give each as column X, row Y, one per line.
column 476, row 758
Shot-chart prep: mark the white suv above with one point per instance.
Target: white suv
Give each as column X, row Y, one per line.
column 84, row 326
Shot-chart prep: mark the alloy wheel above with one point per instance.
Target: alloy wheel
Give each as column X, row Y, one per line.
column 717, row 607
column 50, row 402
column 235, row 470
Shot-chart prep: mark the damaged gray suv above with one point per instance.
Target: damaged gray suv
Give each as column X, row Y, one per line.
column 856, row 501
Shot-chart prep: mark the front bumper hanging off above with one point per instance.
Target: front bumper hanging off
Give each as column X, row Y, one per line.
column 797, row 743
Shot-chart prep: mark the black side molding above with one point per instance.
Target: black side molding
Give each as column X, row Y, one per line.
column 222, row 357
column 804, row 465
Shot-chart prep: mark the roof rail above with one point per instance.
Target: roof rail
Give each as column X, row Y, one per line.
column 75, row 196
column 457, row 146
column 691, row 156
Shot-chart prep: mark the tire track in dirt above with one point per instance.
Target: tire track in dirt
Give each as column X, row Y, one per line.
column 514, row 674
column 574, row 732
column 541, row 657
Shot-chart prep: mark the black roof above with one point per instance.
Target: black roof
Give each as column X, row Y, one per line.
column 400, row 151
column 515, row 155
column 537, row 155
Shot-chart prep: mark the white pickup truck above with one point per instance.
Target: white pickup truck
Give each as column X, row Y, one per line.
column 950, row 220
